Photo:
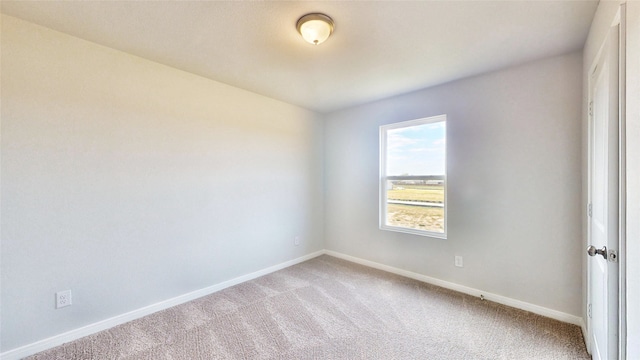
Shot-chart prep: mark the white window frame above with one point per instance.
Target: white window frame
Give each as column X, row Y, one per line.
column 384, row 178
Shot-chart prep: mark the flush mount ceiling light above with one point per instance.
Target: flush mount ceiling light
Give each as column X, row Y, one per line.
column 315, row 28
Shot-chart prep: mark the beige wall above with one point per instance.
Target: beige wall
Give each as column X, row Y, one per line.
column 513, row 153
column 130, row 182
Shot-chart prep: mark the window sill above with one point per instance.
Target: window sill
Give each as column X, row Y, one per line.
column 430, row 234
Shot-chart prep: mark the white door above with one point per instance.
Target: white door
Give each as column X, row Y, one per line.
column 603, row 194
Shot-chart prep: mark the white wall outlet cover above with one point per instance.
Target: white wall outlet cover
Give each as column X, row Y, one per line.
column 458, row 261
column 63, row 298
column 296, row 241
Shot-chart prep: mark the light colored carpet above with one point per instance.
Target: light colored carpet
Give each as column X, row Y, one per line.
column 328, row 308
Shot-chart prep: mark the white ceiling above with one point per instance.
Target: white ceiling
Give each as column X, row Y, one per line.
column 379, row 49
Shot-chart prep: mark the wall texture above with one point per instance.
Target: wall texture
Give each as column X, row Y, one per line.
column 514, row 183
column 130, row 182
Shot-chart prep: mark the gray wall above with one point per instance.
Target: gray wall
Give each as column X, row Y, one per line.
column 130, row 182
column 514, row 183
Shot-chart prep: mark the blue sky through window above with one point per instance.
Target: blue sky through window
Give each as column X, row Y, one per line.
column 417, row 150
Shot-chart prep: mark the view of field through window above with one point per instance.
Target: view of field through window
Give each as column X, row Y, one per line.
column 415, row 184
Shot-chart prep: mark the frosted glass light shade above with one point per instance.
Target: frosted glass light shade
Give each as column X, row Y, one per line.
column 315, row 28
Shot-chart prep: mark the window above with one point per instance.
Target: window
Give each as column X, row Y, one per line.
column 412, row 177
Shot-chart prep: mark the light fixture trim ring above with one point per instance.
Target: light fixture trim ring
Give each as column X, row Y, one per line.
column 315, row 16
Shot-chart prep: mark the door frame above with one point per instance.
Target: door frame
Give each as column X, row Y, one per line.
column 619, row 20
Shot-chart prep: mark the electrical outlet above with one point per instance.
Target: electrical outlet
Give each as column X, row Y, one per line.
column 458, row 261
column 63, row 298
column 296, row 241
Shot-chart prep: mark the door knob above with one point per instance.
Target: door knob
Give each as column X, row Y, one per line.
column 592, row 251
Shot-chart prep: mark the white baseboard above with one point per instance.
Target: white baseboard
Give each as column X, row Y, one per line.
column 75, row 334
column 550, row 313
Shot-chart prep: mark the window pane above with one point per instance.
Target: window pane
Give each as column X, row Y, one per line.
column 416, row 150
column 416, row 204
